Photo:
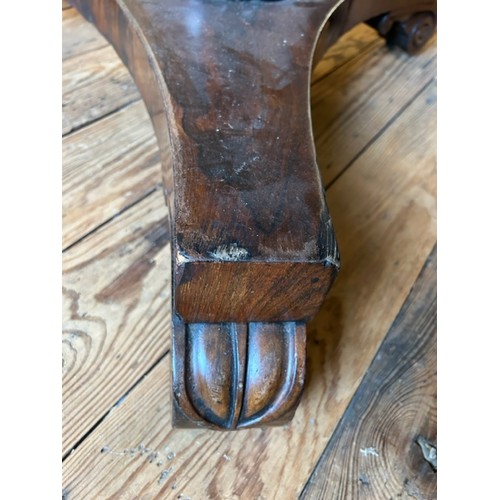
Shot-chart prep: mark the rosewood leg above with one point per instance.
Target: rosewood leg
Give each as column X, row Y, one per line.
column 227, row 86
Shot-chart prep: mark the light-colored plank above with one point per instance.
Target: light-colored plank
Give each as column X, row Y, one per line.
column 384, row 211
column 351, row 105
column 78, row 35
column 350, row 45
column 116, row 316
column 94, row 85
column 106, row 167
column 374, row 452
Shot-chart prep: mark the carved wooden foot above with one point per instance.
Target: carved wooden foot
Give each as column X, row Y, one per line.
column 226, row 84
column 237, row 375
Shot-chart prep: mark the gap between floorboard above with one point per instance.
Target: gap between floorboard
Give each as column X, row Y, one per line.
column 110, row 219
column 118, row 402
column 368, row 48
column 91, row 121
column 400, row 317
column 380, row 132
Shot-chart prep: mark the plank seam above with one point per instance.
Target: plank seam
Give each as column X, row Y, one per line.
column 380, row 132
column 105, row 46
column 78, row 128
column 401, row 311
column 113, row 217
column 117, row 403
column 366, row 50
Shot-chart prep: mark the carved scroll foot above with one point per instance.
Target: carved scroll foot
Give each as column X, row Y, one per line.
column 237, row 375
column 226, row 84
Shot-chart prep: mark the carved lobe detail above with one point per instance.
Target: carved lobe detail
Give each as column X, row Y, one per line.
column 215, row 363
column 237, row 375
column 275, row 372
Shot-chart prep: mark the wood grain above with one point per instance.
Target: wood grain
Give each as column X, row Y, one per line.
column 116, row 319
column 385, row 211
column 241, row 201
column 345, row 119
column 104, row 170
column 350, row 45
column 247, row 188
column 374, row 452
column 79, row 37
column 107, row 167
column 94, row 85
column 348, row 60
column 257, row 382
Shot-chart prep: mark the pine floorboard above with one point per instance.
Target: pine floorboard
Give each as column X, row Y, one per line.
column 375, row 451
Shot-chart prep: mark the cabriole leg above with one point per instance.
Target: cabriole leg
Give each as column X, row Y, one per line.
column 226, row 84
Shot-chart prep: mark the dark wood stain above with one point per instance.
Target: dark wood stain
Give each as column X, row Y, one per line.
column 232, row 375
column 244, row 170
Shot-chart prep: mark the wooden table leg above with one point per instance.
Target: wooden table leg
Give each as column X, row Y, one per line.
column 226, row 84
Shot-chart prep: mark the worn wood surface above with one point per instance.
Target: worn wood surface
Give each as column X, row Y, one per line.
column 102, row 85
column 257, row 382
column 108, row 166
column 251, row 234
column 117, row 394
column 374, row 451
column 78, row 37
column 249, row 208
column 116, row 291
column 345, row 120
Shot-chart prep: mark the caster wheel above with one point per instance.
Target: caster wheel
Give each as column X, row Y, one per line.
column 413, row 34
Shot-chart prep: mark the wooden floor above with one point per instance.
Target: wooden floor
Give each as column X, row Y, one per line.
column 371, row 382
